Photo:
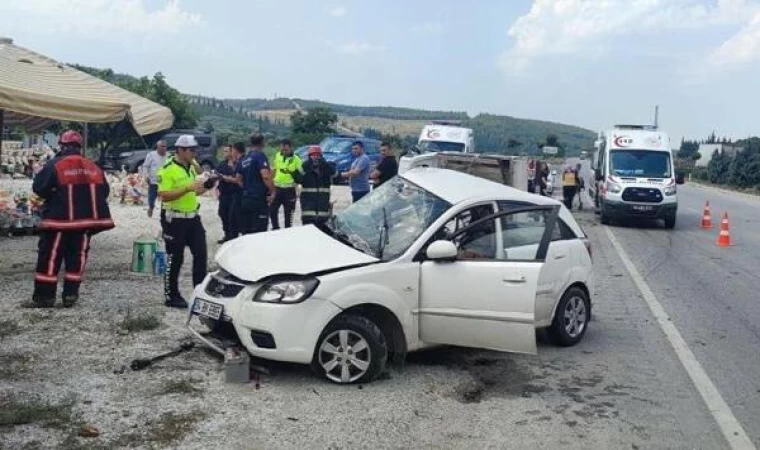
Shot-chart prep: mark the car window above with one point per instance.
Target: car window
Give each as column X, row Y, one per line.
column 522, row 233
column 462, row 220
column 478, row 242
column 203, row 141
column 562, row 232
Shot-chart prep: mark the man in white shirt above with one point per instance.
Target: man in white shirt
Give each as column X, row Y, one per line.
column 154, row 161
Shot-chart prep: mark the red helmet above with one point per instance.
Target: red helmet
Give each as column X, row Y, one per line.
column 70, row 137
column 314, row 150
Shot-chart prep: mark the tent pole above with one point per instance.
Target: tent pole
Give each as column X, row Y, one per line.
column 84, row 153
column 2, row 130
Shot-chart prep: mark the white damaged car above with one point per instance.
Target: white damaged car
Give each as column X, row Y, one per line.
column 431, row 257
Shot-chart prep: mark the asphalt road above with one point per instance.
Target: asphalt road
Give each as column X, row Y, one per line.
column 711, row 294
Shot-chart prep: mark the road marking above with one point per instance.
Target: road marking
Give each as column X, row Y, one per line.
column 732, row 430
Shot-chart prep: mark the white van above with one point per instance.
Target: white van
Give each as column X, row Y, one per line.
column 439, row 137
column 635, row 175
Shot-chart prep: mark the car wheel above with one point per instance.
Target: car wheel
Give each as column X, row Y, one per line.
column 571, row 319
column 670, row 222
column 352, row 349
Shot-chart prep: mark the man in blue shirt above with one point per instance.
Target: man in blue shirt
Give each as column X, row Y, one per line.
column 358, row 175
column 228, row 189
column 254, row 174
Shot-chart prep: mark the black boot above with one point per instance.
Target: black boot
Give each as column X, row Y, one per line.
column 39, row 302
column 175, row 301
column 70, row 300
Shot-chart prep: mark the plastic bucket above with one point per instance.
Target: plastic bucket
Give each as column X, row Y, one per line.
column 142, row 255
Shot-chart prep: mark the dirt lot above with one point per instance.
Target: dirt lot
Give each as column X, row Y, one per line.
column 64, row 384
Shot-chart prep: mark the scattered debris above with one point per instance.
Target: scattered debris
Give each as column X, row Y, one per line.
column 88, row 431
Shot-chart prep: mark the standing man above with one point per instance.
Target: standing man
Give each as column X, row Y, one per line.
column 75, row 191
column 580, row 184
column 358, row 175
column 254, row 175
column 316, row 178
column 285, row 165
column 179, row 190
column 569, row 186
column 387, row 168
column 154, row 161
column 228, row 189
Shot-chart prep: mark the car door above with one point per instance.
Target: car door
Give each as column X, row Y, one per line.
column 486, row 297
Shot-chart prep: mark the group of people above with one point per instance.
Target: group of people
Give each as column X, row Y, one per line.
column 251, row 194
column 572, row 183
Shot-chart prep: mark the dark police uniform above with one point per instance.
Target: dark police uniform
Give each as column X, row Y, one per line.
column 254, row 211
column 227, row 193
column 183, row 227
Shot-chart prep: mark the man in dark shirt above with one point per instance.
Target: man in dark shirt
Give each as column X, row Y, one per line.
column 228, row 189
column 387, row 168
column 255, row 176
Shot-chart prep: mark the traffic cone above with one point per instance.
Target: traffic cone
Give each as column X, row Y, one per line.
column 724, row 237
column 706, row 219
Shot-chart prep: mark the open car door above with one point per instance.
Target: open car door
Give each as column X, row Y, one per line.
column 486, row 296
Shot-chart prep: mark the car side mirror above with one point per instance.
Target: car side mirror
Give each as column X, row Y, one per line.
column 680, row 178
column 441, row 251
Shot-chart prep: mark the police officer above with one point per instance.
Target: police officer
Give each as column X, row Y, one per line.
column 179, row 188
column 286, row 164
column 75, row 191
column 255, row 176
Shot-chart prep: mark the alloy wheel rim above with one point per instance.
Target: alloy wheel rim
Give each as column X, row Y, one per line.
column 345, row 356
column 575, row 316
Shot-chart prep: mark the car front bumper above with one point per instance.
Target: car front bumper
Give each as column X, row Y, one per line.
column 270, row 331
column 620, row 209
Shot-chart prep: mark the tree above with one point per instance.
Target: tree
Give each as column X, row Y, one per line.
column 317, row 120
column 718, row 167
column 688, row 149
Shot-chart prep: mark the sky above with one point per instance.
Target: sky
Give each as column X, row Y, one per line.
column 591, row 63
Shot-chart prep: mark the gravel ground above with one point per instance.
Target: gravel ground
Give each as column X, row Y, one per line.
column 63, row 371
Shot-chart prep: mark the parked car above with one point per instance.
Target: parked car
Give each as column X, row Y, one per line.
column 132, row 159
column 337, row 151
column 207, row 147
column 128, row 159
column 386, row 276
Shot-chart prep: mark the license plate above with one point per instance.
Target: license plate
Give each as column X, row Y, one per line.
column 208, row 309
column 643, row 208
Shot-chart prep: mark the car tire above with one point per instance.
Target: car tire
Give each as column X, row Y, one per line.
column 347, row 366
column 571, row 318
column 670, row 222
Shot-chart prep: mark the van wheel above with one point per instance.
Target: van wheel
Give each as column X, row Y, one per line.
column 351, row 349
column 571, row 318
column 670, row 222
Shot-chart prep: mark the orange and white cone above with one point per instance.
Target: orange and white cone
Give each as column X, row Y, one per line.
column 724, row 237
column 706, row 219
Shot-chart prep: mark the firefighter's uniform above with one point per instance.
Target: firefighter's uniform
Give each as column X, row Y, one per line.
column 75, row 192
column 182, row 228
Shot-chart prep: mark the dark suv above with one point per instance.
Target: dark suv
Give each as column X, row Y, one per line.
column 206, row 153
column 132, row 159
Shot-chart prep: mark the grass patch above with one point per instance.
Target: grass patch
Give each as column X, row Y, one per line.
column 186, row 387
column 8, row 328
column 169, row 429
column 14, row 412
column 143, row 322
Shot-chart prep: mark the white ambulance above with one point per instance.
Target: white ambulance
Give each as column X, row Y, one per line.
column 438, row 137
column 634, row 175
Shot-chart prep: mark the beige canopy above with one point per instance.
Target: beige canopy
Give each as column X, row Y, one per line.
column 35, row 90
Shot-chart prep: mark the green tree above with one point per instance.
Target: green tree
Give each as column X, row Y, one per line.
column 317, row 120
column 688, row 149
column 718, row 167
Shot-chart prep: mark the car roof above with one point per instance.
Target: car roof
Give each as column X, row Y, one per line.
column 456, row 187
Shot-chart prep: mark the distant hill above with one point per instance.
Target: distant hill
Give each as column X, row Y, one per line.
column 493, row 133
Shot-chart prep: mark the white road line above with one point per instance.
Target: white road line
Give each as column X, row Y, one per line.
column 732, row 430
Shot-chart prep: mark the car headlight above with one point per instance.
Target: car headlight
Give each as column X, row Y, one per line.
column 126, row 154
column 670, row 190
column 614, row 188
column 286, row 290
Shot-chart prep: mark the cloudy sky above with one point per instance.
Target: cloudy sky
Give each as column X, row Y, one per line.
column 591, row 63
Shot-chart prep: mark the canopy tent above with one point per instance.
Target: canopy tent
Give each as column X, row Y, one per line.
column 36, row 90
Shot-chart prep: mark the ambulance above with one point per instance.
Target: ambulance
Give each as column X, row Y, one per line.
column 634, row 175
column 441, row 136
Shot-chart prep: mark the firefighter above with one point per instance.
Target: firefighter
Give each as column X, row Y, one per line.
column 315, row 177
column 179, row 187
column 75, row 192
